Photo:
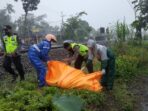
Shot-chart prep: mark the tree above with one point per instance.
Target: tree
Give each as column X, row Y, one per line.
column 141, row 7
column 37, row 26
column 29, row 5
column 5, row 16
column 10, row 9
column 122, row 31
column 75, row 28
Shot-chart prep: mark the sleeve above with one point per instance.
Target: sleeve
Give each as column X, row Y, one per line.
column 18, row 42
column 104, row 64
column 1, row 46
column 2, row 42
column 45, row 50
column 90, row 54
column 103, row 53
column 104, row 58
column 76, row 51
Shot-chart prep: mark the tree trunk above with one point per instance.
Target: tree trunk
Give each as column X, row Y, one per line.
column 139, row 35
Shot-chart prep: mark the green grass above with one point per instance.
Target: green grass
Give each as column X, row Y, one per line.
column 122, row 96
column 27, row 97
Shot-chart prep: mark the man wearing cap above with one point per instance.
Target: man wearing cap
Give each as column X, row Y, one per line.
column 38, row 53
column 107, row 59
column 11, row 45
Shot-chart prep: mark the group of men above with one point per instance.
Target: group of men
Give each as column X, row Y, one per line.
column 87, row 53
column 38, row 54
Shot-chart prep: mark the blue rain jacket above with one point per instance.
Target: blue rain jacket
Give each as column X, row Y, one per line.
column 37, row 57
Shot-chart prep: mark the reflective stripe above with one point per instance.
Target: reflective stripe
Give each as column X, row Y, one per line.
column 46, row 47
column 36, row 47
column 83, row 50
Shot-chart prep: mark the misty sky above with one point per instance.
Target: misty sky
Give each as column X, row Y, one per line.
column 100, row 12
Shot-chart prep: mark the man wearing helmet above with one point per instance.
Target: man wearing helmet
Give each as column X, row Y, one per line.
column 38, row 53
column 107, row 59
column 79, row 53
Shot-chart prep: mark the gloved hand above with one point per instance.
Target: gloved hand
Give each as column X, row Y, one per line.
column 103, row 71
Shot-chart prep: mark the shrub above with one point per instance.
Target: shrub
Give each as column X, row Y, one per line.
column 26, row 97
column 123, row 97
column 126, row 66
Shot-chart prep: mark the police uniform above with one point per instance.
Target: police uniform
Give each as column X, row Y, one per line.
column 11, row 56
column 82, row 56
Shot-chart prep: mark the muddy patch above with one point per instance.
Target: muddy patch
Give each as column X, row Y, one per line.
column 139, row 88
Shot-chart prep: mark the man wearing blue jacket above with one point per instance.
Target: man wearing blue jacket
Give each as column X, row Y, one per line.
column 38, row 53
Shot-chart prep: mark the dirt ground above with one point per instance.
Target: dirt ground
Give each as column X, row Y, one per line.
column 139, row 88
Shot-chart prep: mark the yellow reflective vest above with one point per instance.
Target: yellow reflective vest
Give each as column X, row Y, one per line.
column 11, row 44
column 83, row 50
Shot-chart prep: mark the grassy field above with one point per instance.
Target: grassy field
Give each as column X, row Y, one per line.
column 129, row 93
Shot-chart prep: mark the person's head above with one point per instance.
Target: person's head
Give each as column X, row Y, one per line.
column 91, row 43
column 8, row 29
column 67, row 44
column 51, row 38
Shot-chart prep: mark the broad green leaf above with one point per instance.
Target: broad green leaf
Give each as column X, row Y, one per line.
column 68, row 103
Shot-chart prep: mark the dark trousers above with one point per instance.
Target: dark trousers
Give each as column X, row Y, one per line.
column 80, row 59
column 108, row 78
column 8, row 60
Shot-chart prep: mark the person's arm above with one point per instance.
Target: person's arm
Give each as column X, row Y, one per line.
column 76, row 53
column 2, row 41
column 16, row 52
column 91, row 53
column 1, row 49
column 45, row 51
column 18, row 43
column 104, row 64
column 104, row 59
column 1, row 46
column 74, row 56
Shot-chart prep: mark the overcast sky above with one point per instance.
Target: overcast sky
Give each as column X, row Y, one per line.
column 100, row 12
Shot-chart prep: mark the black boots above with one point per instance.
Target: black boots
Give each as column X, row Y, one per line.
column 14, row 77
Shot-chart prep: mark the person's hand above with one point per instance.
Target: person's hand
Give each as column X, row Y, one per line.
column 103, row 71
column 98, row 57
column 14, row 54
column 82, row 69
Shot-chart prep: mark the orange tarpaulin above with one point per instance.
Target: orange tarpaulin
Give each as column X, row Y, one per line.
column 62, row 75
